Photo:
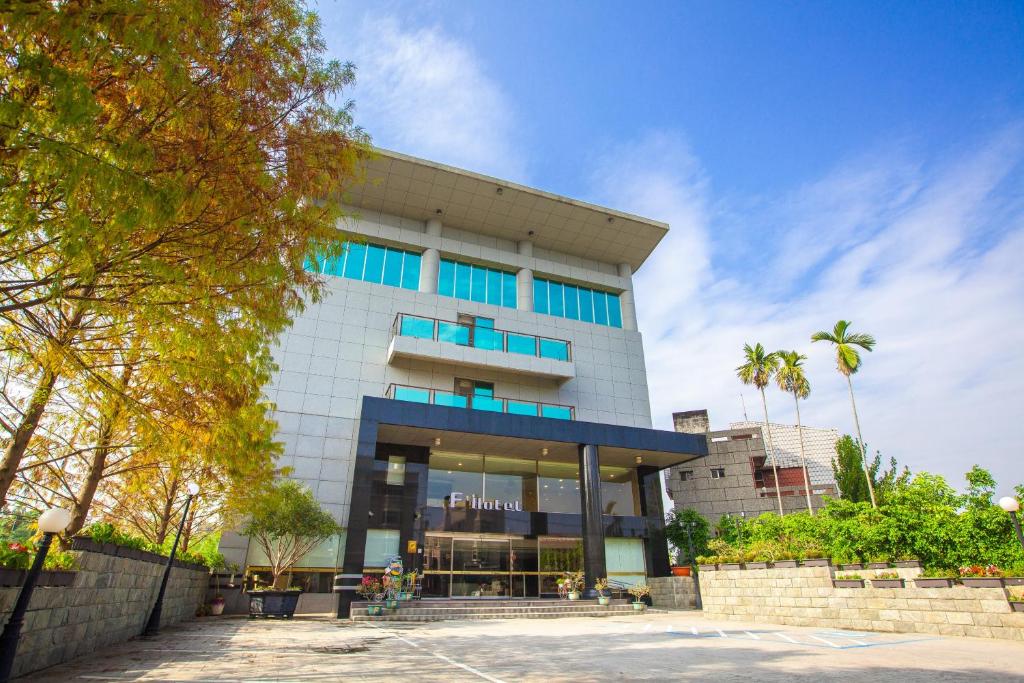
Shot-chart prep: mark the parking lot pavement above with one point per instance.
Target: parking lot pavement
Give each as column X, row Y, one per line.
column 657, row 646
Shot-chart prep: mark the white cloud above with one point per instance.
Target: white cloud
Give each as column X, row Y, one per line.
column 423, row 92
column 903, row 249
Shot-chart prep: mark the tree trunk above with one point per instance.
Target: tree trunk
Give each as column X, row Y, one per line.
column 770, row 451
column 23, row 434
column 803, row 459
column 863, row 452
column 164, row 523
column 186, row 535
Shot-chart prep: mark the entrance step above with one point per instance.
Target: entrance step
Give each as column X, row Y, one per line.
column 443, row 610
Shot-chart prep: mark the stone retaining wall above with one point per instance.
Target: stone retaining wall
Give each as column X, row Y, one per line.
column 108, row 602
column 673, row 592
column 805, row 596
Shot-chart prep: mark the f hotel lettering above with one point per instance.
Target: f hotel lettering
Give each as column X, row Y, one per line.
column 458, row 499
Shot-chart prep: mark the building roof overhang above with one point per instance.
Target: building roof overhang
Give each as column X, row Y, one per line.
column 415, row 188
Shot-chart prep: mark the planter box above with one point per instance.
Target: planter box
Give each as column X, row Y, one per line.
column 680, row 571
column 907, row 564
column 934, row 583
column 47, row 578
column 982, row 581
column 707, row 567
column 756, row 565
column 785, row 564
column 12, row 577
column 816, row 562
column 851, row 567
column 86, row 544
column 730, row 566
column 878, row 565
column 1017, row 606
column 848, row 583
column 1013, row 580
column 273, row 604
column 887, row 583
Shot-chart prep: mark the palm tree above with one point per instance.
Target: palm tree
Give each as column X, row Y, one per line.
column 848, row 362
column 791, row 378
column 759, row 370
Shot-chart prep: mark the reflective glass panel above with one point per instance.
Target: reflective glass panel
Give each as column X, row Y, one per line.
column 486, row 338
column 381, row 546
column 556, row 412
column 493, row 405
column 572, row 302
column 336, row 266
column 478, row 286
column 617, row 493
column 374, row 271
column 540, row 295
column 421, row 328
column 614, row 310
column 494, row 287
column 411, row 271
column 354, row 260
column 561, row 554
column 453, row 333
column 586, row 306
column 600, row 308
column 559, row 487
column 555, row 304
column 463, row 273
column 412, row 394
column 393, row 267
column 518, row 343
column 624, row 559
column 454, row 472
column 396, row 471
column 443, row 398
column 552, row 348
column 446, row 278
column 511, row 480
column 508, row 290
column 522, row 407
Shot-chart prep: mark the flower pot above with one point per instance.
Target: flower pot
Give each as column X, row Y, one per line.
column 602, row 600
column 574, row 595
column 1017, row 606
column 816, row 562
column 887, row 583
column 1013, row 580
column 982, row 581
column 934, row 582
column 217, row 607
column 391, row 604
column 848, row 583
column 756, row 565
column 785, row 564
column 639, row 606
column 907, row 564
column 878, row 565
column 730, row 566
column 856, row 566
column 273, row 603
column 374, row 610
column 680, row 571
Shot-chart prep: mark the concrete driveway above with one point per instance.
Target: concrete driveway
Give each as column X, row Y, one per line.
column 656, row 646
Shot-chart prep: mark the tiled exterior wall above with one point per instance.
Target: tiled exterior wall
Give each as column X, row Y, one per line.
column 804, row 596
column 109, row 602
column 673, row 592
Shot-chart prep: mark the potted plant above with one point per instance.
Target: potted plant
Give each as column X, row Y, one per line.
column 601, row 586
column 372, row 591
column 936, row 578
column 878, row 562
column 639, row 592
column 1014, row 575
column 707, row 563
column 573, row 582
column 217, row 605
column 907, row 562
column 887, row 580
column 286, row 521
column 848, row 581
column 978, row 576
column 813, row 556
column 785, row 559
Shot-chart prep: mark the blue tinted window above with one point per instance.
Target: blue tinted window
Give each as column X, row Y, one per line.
column 478, row 284
column 453, row 333
column 393, row 267
column 508, row 290
column 572, row 302
column 487, row 403
column 540, row 296
column 555, row 306
column 336, row 266
column 586, row 305
column 556, row 412
column 446, row 278
column 354, row 260
column 614, row 311
column 600, row 308
column 421, row 328
column 462, row 275
column 483, row 389
column 443, row 398
column 522, row 408
column 374, row 270
column 553, row 348
column 411, row 271
column 494, row 287
column 412, row 394
column 518, row 343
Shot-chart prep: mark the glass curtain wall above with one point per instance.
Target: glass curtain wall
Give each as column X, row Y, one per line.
column 476, row 283
column 372, row 263
column 576, row 303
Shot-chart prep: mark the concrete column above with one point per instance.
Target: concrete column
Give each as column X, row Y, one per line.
column 524, row 279
column 626, row 302
column 430, row 261
column 594, row 565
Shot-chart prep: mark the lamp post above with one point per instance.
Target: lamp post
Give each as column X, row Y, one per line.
column 153, row 625
column 1012, row 505
column 51, row 522
column 690, row 528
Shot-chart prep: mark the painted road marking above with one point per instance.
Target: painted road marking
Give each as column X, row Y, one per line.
column 753, row 636
column 443, row 658
column 827, row 642
column 783, row 635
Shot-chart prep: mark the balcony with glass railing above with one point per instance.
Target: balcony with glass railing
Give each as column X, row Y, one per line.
column 479, row 345
column 490, row 403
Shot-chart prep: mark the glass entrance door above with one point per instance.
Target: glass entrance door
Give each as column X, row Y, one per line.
column 480, row 568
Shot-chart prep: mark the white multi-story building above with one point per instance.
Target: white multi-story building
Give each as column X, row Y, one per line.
column 471, row 392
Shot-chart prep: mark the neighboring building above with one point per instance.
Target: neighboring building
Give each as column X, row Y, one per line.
column 737, row 477
column 471, row 392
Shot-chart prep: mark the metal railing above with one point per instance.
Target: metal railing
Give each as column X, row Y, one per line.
column 477, row 336
column 494, row 404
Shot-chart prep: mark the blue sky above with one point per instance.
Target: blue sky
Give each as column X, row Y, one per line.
column 815, row 160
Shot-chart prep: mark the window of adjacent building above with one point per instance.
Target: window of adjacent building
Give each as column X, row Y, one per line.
column 476, row 283
column 686, row 475
column 617, row 491
column 372, row 263
column 717, row 472
column 576, row 303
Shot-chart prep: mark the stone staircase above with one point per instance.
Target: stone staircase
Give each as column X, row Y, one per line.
column 451, row 610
